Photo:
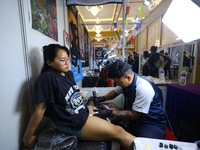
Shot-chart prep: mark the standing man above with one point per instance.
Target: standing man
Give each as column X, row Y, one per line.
column 167, row 66
column 143, row 115
column 154, row 56
column 136, row 62
column 130, row 60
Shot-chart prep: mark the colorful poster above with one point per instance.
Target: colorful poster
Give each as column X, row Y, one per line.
column 44, row 17
column 66, row 39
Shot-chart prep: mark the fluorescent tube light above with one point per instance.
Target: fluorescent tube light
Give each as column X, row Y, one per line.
column 182, row 17
column 111, row 56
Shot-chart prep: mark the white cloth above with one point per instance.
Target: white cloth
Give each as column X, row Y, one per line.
column 144, row 95
column 144, row 61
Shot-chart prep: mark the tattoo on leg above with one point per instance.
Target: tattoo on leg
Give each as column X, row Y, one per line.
column 110, row 106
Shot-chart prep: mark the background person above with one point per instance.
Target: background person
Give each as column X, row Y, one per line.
column 186, row 62
column 57, row 96
column 154, row 56
column 167, row 66
column 143, row 114
column 135, row 63
column 145, row 63
column 130, row 60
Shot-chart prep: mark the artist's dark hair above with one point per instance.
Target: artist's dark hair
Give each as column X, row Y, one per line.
column 49, row 53
column 119, row 69
column 146, row 54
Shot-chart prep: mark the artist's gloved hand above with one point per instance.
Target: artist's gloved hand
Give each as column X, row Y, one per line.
column 98, row 100
column 103, row 112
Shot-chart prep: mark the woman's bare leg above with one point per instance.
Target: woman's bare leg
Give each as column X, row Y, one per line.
column 97, row 129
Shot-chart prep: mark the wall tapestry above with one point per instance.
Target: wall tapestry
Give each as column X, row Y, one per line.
column 44, row 17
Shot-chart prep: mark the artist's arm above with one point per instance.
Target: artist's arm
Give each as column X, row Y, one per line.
column 127, row 114
column 111, row 95
column 29, row 138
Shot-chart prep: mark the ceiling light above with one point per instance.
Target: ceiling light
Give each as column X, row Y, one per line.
column 97, row 29
column 97, row 20
column 153, row 4
column 98, row 35
column 146, row 2
column 175, row 16
column 112, row 56
column 94, row 9
column 98, row 39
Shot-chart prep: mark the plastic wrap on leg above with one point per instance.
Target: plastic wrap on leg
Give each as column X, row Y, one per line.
column 52, row 139
column 89, row 145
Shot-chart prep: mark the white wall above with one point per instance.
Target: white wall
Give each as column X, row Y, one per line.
column 15, row 72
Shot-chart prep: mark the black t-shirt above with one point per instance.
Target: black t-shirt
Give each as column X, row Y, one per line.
column 65, row 103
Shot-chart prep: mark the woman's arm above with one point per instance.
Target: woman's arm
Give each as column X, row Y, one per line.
column 29, row 138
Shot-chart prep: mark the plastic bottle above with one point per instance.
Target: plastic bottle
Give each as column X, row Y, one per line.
column 182, row 80
column 161, row 74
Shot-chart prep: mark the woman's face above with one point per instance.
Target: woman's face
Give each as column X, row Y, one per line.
column 61, row 62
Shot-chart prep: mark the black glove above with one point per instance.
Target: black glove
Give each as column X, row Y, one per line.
column 98, row 100
column 103, row 112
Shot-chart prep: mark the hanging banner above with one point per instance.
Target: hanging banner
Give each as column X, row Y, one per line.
column 98, row 53
column 44, row 17
column 91, row 3
column 86, row 45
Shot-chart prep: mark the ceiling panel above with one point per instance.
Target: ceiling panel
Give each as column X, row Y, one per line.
column 112, row 13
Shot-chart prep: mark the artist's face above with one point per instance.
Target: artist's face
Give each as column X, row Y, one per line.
column 60, row 63
column 123, row 82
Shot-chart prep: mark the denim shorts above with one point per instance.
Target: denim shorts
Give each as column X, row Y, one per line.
column 66, row 129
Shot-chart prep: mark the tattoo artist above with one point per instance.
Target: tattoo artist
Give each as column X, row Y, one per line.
column 143, row 114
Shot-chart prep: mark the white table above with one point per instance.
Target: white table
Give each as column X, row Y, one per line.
column 153, row 144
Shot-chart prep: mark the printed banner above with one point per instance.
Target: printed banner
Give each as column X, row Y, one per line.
column 77, row 71
column 91, row 3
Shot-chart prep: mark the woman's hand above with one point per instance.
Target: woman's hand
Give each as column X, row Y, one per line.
column 30, row 141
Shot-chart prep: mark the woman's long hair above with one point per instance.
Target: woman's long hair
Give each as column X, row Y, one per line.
column 49, row 53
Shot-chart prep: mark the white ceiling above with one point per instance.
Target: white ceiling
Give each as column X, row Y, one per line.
column 110, row 14
column 113, row 13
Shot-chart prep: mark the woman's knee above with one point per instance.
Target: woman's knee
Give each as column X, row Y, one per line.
column 119, row 130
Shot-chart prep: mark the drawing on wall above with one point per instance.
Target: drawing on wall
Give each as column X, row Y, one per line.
column 44, row 17
column 66, row 39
